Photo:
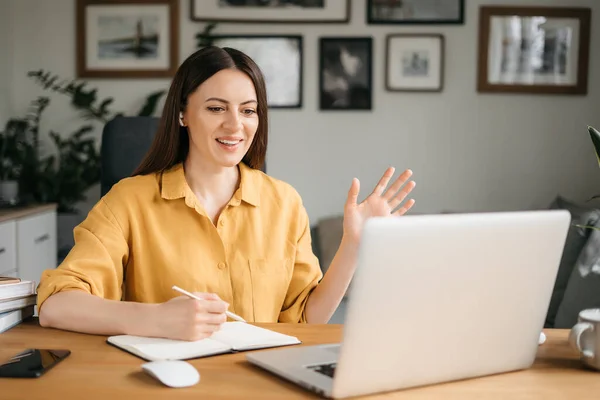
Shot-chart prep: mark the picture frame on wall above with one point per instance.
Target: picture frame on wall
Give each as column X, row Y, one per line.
column 127, row 38
column 271, row 11
column 414, row 62
column 536, row 50
column 416, row 12
column 280, row 58
column 345, row 73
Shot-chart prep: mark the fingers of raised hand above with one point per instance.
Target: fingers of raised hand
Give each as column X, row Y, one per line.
column 397, row 185
column 399, row 195
column 405, row 207
column 353, row 193
column 381, row 185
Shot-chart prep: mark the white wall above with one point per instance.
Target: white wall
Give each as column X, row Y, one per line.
column 469, row 152
column 6, row 52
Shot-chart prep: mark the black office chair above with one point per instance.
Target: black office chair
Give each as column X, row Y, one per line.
column 125, row 142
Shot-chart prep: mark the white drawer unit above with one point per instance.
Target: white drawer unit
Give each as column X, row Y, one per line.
column 28, row 237
column 8, row 247
column 36, row 245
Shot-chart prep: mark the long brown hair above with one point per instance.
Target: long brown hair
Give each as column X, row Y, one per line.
column 171, row 142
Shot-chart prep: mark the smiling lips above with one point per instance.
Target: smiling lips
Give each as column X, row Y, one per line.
column 229, row 142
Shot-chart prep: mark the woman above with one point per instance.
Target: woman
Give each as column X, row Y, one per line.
column 198, row 213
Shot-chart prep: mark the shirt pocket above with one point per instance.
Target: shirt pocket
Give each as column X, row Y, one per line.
column 270, row 281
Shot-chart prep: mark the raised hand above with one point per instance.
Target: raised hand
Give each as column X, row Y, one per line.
column 380, row 203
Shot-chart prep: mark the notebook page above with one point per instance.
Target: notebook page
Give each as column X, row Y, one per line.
column 167, row 349
column 243, row 336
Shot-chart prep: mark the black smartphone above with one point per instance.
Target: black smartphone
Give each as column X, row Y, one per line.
column 32, row 363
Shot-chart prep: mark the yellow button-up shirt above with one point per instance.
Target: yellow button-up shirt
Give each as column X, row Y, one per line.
column 150, row 233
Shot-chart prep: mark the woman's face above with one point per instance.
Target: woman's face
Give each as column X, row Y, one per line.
column 222, row 118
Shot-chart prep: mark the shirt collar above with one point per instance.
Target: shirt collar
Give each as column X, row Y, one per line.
column 250, row 184
column 174, row 185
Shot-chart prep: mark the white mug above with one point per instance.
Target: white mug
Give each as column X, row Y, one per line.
column 585, row 337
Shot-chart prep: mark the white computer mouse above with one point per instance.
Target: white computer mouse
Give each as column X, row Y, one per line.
column 173, row 373
column 542, row 338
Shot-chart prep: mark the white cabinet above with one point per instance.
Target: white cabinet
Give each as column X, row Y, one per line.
column 36, row 245
column 8, row 248
column 28, row 237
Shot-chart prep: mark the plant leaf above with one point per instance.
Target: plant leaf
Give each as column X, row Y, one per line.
column 151, row 103
column 595, row 135
column 103, row 109
column 205, row 38
column 83, row 99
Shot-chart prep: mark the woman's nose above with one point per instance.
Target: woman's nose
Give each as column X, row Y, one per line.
column 232, row 121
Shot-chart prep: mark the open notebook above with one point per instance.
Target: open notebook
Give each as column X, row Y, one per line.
column 233, row 337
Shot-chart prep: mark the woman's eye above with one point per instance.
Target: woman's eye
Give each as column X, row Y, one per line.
column 249, row 111
column 215, row 109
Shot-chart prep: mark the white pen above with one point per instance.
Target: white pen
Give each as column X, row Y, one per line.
column 229, row 313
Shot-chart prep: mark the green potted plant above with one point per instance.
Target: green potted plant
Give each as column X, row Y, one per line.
column 68, row 174
column 19, row 156
column 10, row 156
column 64, row 178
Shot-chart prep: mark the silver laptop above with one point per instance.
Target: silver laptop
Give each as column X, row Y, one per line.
column 436, row 298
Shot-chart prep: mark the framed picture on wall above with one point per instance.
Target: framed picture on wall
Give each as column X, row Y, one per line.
column 534, row 50
column 127, row 38
column 345, row 75
column 414, row 62
column 271, row 11
column 412, row 12
column 280, row 59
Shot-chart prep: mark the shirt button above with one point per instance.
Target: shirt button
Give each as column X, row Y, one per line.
column 221, row 265
column 222, row 222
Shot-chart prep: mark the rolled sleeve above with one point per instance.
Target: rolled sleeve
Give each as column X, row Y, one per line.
column 305, row 277
column 96, row 262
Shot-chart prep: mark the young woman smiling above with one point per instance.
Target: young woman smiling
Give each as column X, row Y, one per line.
column 198, row 213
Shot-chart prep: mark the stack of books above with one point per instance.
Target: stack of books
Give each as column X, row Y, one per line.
column 17, row 301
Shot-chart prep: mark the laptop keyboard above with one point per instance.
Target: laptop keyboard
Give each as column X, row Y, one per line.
column 325, row 369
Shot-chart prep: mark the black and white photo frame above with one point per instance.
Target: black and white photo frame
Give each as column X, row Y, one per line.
column 414, row 62
column 127, row 38
column 551, row 56
column 416, row 12
column 271, row 11
column 345, row 73
column 280, row 58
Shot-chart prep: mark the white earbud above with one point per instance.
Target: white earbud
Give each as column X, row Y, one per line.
column 181, row 119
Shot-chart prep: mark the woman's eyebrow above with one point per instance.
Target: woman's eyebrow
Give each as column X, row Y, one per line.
column 226, row 102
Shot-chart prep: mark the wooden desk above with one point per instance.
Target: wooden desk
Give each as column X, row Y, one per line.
column 96, row 370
